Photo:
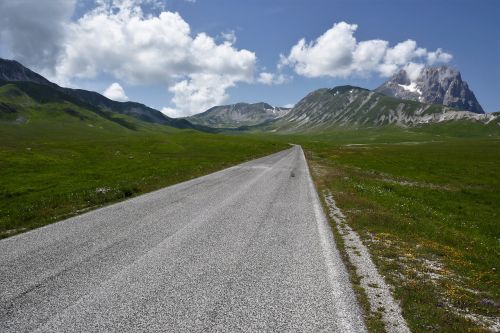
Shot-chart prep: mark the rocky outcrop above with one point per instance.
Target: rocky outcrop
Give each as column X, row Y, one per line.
column 434, row 85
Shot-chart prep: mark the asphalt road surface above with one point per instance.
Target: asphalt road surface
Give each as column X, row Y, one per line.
column 244, row 249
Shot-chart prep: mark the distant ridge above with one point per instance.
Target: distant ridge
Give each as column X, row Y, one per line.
column 237, row 115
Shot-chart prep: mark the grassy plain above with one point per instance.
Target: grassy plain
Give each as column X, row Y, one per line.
column 57, row 159
column 425, row 202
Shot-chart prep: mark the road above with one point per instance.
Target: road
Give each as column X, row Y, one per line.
column 244, row 249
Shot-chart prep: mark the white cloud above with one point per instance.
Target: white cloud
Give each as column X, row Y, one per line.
column 413, row 70
column 229, row 36
column 117, row 38
column 337, row 53
column 330, row 55
column 200, row 92
column 115, row 92
column 266, row 78
column 438, row 56
column 171, row 112
column 403, row 53
column 289, row 106
column 368, row 54
column 272, row 78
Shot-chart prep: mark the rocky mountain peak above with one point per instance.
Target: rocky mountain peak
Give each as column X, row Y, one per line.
column 434, row 85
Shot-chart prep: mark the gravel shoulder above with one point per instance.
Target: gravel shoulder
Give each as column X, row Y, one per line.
column 378, row 292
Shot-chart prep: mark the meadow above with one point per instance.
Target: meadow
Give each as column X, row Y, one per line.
column 58, row 160
column 425, row 202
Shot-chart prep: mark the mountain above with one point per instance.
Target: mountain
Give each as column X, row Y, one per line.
column 23, row 92
column 348, row 106
column 11, row 71
column 43, row 91
column 434, row 85
column 237, row 115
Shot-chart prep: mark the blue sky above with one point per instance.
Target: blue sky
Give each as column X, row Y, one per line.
column 185, row 80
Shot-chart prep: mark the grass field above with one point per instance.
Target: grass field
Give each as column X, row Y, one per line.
column 426, row 204
column 57, row 160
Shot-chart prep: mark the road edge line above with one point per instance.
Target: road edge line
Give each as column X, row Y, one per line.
column 331, row 255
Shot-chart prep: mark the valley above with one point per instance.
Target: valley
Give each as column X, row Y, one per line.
column 417, row 182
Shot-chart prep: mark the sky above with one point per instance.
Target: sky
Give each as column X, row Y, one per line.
column 185, row 56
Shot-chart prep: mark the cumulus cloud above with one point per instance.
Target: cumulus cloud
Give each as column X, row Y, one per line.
column 413, row 70
column 337, row 53
column 272, row 78
column 438, row 56
column 34, row 31
column 171, row 112
column 115, row 92
column 146, row 49
column 200, row 92
column 119, row 39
